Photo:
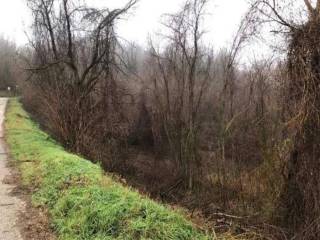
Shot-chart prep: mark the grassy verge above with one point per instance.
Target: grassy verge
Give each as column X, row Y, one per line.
column 83, row 202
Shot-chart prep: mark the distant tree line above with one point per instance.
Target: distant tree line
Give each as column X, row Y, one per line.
column 8, row 65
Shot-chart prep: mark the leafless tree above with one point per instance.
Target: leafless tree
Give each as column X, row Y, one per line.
column 180, row 80
column 74, row 69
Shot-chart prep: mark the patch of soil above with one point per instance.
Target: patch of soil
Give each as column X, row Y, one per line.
column 35, row 224
column 34, row 221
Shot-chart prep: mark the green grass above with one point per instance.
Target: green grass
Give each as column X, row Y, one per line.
column 83, row 202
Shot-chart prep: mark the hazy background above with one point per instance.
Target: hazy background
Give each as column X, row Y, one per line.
column 221, row 22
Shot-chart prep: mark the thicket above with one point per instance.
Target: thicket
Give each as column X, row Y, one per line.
column 187, row 124
column 84, row 202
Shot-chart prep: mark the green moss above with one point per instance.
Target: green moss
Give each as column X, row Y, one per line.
column 82, row 201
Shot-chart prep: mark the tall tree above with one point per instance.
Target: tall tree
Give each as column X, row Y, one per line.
column 73, row 68
column 180, row 81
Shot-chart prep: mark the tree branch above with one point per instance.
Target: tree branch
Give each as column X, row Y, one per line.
column 309, row 6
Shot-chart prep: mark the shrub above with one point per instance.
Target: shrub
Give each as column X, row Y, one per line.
column 83, row 202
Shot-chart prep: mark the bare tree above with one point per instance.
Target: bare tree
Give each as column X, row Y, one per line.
column 180, row 82
column 74, row 68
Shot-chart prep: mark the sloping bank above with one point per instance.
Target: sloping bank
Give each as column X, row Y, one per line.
column 83, row 202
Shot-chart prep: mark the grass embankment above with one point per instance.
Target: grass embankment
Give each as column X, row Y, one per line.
column 82, row 201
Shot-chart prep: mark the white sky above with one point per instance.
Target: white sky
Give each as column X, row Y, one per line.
column 221, row 23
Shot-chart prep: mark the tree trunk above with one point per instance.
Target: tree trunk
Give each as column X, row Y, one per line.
column 302, row 191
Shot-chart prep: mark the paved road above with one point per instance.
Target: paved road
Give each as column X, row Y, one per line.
column 10, row 206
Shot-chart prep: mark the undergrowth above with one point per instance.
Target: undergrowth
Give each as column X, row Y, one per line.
column 83, row 202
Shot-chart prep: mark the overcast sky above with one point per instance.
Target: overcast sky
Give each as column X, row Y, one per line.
column 221, row 24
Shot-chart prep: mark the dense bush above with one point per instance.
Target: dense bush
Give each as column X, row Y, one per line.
column 83, row 202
